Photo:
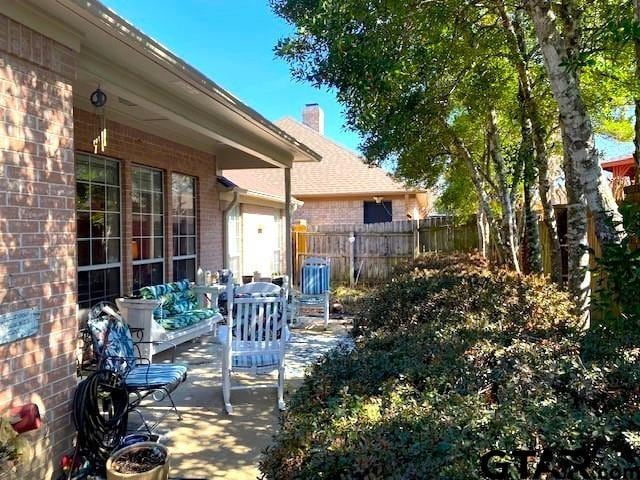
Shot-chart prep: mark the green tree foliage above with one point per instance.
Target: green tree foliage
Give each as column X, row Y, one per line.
column 418, row 81
column 457, row 196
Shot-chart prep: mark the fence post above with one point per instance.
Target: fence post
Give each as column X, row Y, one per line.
column 415, row 228
column 352, row 259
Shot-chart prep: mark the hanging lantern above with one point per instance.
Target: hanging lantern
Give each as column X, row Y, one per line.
column 99, row 99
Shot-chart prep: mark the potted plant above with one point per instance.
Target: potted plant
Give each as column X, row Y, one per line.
column 11, row 446
column 140, row 461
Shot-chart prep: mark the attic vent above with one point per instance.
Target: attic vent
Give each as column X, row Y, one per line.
column 126, row 102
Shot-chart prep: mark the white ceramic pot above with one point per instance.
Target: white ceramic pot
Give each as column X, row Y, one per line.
column 161, row 472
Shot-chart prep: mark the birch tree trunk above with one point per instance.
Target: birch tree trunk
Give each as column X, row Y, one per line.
column 581, row 155
column 484, row 237
column 517, row 46
column 509, row 227
column 577, row 240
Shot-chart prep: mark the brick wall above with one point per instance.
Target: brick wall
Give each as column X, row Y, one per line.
column 37, row 232
column 133, row 146
column 346, row 210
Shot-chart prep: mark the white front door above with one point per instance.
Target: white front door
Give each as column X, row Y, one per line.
column 259, row 240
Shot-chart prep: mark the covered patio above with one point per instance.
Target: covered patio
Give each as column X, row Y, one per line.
column 112, row 146
column 208, row 443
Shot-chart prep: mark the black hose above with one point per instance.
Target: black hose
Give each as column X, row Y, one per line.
column 100, row 409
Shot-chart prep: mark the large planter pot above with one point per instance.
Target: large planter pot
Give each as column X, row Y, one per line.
column 161, row 472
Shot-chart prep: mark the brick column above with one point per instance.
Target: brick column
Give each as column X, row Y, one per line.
column 37, row 232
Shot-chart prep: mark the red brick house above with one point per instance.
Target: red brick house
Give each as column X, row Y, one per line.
column 341, row 188
column 98, row 201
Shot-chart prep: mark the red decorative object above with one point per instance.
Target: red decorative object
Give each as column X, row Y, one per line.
column 29, row 417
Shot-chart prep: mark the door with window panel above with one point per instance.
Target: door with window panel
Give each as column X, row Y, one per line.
column 183, row 193
column 98, row 222
column 147, row 218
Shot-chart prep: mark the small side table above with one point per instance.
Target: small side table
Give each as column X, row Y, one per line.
column 207, row 295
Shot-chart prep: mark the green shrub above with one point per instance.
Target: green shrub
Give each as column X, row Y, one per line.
column 618, row 272
column 350, row 297
column 452, row 360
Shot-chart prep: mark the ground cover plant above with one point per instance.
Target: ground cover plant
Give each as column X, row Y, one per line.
column 452, row 360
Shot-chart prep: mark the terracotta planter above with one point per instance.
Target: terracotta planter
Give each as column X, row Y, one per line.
column 161, row 472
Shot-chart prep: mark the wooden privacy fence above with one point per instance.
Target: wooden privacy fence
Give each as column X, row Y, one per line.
column 368, row 253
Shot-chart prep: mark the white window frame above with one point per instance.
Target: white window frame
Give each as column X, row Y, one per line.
column 120, row 238
column 194, row 255
column 152, row 237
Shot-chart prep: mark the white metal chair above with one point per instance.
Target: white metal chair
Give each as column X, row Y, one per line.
column 253, row 340
column 315, row 282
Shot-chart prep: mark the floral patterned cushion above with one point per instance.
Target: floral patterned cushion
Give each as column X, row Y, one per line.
column 119, row 355
column 186, row 319
column 178, row 308
column 176, row 298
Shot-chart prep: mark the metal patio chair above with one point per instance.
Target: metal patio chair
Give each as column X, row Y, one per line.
column 116, row 352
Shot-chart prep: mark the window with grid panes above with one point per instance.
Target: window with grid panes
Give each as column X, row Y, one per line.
column 147, row 218
column 98, row 222
column 183, row 201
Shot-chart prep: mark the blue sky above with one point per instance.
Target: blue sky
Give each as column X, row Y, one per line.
column 231, row 41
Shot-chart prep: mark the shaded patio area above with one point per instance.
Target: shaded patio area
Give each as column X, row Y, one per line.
column 208, row 443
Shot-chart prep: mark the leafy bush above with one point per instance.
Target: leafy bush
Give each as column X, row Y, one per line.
column 350, row 297
column 453, row 360
column 618, row 270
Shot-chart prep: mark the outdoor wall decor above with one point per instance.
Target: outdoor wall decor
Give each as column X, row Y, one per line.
column 19, row 324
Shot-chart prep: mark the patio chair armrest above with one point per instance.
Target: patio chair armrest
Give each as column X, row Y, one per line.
column 138, row 332
column 172, row 346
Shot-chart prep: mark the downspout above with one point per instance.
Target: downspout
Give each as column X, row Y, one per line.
column 225, row 228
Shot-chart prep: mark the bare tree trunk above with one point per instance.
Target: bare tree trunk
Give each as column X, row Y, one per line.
column 578, row 257
column 509, row 228
column 484, row 237
column 517, row 45
column 581, row 154
column 494, row 229
column 532, row 232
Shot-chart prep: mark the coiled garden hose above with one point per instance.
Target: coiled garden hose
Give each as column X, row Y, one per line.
column 100, row 409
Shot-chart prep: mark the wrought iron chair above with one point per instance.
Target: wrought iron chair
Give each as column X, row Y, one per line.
column 315, row 284
column 254, row 338
column 116, row 352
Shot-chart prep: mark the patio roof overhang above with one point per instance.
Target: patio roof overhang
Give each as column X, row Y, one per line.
column 152, row 89
column 227, row 189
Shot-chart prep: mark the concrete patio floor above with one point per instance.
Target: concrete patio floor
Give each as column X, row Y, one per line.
column 208, row 443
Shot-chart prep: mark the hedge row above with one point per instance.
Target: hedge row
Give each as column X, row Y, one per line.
column 454, row 360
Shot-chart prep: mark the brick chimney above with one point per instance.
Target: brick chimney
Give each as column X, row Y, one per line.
column 313, row 117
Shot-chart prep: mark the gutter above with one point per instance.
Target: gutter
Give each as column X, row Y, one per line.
column 225, row 227
column 107, row 20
